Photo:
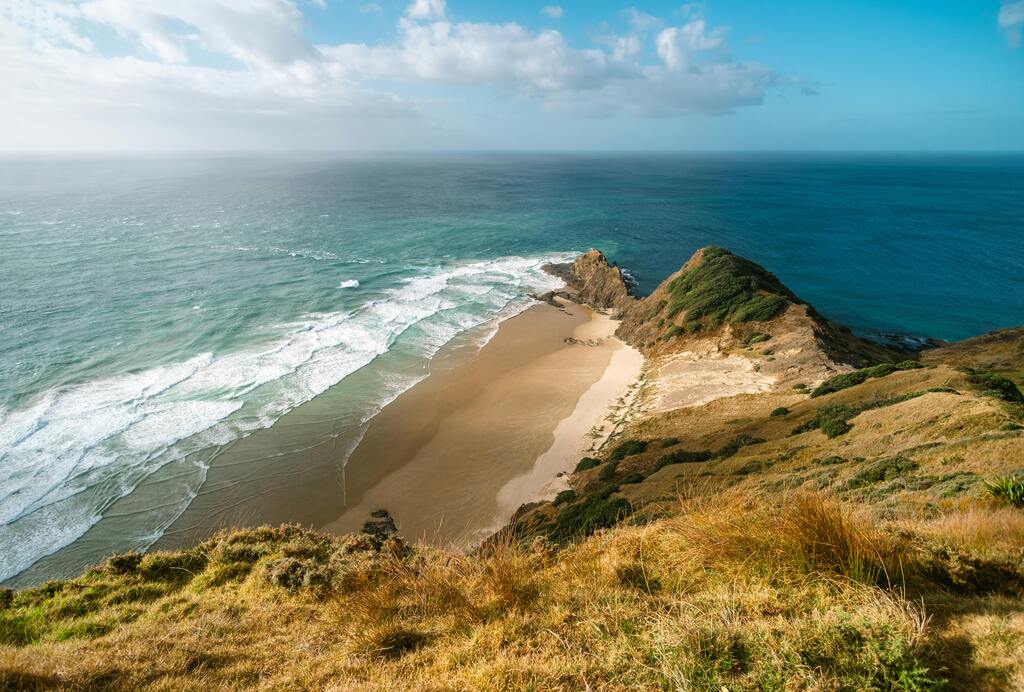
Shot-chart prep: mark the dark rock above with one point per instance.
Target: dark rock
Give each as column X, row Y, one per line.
column 381, row 526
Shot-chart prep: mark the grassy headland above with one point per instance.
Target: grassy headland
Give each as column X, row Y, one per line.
column 846, row 529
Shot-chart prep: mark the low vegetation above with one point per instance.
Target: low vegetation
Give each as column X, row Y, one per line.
column 850, row 379
column 723, row 288
column 735, row 591
column 1007, row 490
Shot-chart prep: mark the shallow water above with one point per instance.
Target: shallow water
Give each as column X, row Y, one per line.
column 154, row 311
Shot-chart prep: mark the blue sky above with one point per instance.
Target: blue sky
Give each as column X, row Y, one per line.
column 430, row 74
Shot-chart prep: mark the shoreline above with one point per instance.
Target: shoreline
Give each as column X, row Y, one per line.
column 455, row 456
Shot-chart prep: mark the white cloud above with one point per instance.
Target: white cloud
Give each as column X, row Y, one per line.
column 641, row 21
column 276, row 88
column 1011, row 21
column 552, row 11
column 426, row 9
column 371, row 8
column 255, row 32
column 676, row 45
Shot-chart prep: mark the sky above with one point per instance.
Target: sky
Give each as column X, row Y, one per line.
column 186, row 75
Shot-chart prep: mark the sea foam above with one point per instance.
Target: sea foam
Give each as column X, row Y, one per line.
column 71, row 454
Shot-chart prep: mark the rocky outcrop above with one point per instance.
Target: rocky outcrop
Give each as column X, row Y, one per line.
column 723, row 302
column 596, row 282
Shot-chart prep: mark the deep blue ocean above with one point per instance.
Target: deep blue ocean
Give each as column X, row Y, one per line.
column 154, row 309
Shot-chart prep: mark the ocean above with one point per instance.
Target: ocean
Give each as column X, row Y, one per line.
column 160, row 313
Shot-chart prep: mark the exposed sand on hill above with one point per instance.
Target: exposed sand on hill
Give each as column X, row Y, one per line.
column 691, row 379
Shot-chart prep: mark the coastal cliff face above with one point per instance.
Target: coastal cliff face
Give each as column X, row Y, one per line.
column 596, row 282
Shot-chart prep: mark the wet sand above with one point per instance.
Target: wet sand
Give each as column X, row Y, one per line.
column 456, row 455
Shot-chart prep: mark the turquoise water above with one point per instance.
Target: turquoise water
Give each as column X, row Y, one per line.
column 153, row 310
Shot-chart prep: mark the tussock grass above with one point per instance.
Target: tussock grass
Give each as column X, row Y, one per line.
column 734, row 590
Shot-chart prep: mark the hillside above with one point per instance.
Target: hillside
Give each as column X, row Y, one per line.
column 783, row 506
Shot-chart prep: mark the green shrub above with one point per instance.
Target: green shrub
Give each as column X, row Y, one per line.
column 884, row 470
column 631, row 478
column 672, row 331
column 597, row 511
column 669, row 442
column 724, row 288
column 565, row 496
column 780, row 412
column 831, row 419
column 607, row 471
column 850, row 379
column 587, row 463
column 739, row 441
column 995, row 386
column 834, row 427
column 755, row 338
column 628, row 448
column 682, row 456
column 800, row 386
column 1007, row 490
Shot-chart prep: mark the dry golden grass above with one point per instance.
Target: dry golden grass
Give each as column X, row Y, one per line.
column 735, row 591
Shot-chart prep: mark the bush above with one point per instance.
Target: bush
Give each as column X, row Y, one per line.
column 597, row 511
column 831, row 419
column 780, row 412
column 669, row 442
column 565, row 496
column 628, row 448
column 740, row 441
column 1007, row 490
column 673, row 331
column 995, row 386
column 884, row 470
column 834, row 427
column 607, row 471
column 631, row 478
column 682, row 456
column 755, row 338
column 587, row 463
column 850, row 379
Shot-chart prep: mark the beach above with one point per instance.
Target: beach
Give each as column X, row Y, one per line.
column 452, row 458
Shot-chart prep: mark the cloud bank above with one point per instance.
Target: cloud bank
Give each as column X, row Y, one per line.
column 1011, row 21
column 241, row 73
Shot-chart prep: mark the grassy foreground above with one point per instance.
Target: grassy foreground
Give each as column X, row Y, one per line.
column 735, row 592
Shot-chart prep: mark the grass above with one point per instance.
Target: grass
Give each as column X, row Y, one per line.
column 735, row 591
column 723, row 288
column 851, row 379
column 1007, row 490
column 834, row 419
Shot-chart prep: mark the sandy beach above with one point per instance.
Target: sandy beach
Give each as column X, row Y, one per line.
column 456, row 455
